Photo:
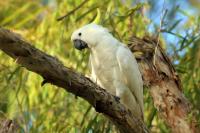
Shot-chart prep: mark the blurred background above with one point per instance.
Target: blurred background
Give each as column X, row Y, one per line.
column 49, row 109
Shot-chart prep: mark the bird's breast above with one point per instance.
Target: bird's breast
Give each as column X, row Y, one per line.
column 104, row 68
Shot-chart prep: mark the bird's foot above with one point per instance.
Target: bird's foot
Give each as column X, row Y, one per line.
column 117, row 98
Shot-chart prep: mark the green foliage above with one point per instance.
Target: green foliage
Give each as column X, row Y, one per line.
column 51, row 109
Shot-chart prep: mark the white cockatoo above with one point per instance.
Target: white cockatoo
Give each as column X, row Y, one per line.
column 112, row 65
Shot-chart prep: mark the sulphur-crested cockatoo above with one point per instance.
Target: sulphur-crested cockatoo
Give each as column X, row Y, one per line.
column 112, row 65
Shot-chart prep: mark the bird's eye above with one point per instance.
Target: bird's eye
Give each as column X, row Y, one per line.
column 79, row 34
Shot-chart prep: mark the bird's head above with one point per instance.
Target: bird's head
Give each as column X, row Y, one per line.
column 88, row 36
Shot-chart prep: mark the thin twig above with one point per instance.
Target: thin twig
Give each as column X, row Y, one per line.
column 159, row 30
column 72, row 11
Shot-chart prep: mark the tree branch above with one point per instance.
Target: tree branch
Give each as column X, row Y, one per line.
column 53, row 71
column 72, row 11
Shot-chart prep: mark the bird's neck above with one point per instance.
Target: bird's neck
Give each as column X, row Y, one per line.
column 106, row 45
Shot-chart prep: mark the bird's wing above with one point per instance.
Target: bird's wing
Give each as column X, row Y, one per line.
column 91, row 68
column 130, row 73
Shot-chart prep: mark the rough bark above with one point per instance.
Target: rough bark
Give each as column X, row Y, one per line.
column 53, row 71
column 8, row 126
column 164, row 85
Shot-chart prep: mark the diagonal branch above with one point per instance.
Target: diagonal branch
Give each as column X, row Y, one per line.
column 72, row 11
column 53, row 71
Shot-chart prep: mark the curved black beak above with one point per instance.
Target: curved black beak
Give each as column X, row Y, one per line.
column 79, row 44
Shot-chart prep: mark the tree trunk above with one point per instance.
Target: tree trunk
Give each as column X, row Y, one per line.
column 164, row 85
